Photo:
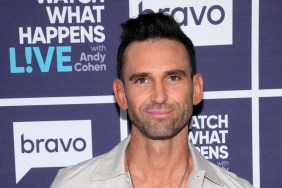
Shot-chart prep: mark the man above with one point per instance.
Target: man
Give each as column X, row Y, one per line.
column 158, row 86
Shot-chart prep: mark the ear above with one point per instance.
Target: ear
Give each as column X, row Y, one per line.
column 198, row 89
column 119, row 93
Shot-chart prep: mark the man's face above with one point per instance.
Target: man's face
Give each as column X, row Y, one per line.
column 158, row 88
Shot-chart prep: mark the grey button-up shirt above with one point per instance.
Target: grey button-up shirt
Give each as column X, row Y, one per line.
column 107, row 171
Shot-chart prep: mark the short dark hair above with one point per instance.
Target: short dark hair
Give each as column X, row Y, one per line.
column 152, row 26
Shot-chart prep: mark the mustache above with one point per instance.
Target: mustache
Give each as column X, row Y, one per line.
column 159, row 106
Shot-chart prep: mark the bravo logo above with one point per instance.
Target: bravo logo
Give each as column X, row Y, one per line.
column 206, row 22
column 41, row 144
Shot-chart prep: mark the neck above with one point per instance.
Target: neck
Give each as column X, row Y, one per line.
column 158, row 160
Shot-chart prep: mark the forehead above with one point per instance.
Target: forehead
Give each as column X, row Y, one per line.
column 156, row 54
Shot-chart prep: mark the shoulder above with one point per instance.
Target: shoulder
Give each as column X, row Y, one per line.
column 98, row 169
column 215, row 176
column 229, row 179
column 76, row 174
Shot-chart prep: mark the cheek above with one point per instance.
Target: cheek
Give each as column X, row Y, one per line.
column 181, row 95
column 135, row 99
column 137, row 95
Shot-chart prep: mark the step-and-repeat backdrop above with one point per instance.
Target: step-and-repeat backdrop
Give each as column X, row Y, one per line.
column 58, row 60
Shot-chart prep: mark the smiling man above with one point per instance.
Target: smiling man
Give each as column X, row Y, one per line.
column 158, row 86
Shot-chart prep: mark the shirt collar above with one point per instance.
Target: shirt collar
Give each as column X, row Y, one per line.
column 112, row 164
column 200, row 163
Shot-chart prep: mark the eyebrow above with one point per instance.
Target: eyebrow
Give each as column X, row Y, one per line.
column 168, row 73
column 177, row 72
column 138, row 75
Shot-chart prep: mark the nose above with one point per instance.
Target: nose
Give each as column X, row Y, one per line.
column 159, row 93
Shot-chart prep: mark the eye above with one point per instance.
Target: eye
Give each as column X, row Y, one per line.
column 173, row 78
column 142, row 81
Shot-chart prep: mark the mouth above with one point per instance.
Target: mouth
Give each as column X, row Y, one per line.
column 159, row 113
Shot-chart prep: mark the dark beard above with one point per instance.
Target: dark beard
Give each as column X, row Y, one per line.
column 151, row 130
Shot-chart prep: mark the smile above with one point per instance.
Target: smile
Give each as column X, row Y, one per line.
column 159, row 113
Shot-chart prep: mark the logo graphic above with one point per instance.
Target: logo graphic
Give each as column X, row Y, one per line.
column 39, row 51
column 205, row 22
column 40, row 144
column 209, row 134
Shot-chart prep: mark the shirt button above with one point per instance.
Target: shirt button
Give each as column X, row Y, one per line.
column 127, row 179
